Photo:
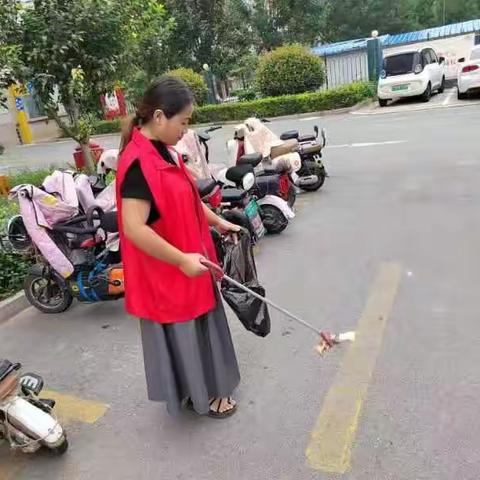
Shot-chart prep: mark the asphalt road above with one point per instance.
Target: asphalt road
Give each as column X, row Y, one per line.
column 389, row 247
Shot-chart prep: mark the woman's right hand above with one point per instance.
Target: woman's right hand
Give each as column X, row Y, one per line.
column 191, row 265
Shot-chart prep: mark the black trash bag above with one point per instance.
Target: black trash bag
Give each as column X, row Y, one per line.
column 239, row 264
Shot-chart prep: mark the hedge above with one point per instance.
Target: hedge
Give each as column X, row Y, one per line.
column 106, row 127
column 341, row 97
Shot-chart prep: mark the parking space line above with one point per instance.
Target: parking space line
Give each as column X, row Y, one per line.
column 308, row 119
column 331, row 440
column 73, row 409
column 367, row 144
column 448, row 97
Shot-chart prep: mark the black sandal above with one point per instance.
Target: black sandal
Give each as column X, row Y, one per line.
column 226, row 413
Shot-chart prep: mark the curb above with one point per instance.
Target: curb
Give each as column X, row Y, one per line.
column 12, row 306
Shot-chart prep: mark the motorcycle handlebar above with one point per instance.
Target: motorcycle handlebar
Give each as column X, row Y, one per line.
column 75, row 230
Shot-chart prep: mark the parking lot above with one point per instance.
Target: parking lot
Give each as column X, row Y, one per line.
column 389, row 247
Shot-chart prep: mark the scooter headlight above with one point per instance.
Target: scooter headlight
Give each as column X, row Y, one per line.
column 248, row 181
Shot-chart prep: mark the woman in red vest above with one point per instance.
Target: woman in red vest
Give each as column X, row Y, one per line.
column 164, row 230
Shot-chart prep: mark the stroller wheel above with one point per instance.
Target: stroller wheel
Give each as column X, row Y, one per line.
column 45, row 294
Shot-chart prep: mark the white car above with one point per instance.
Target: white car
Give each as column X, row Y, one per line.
column 469, row 74
column 409, row 74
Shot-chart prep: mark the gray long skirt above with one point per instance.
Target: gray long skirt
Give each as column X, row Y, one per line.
column 194, row 359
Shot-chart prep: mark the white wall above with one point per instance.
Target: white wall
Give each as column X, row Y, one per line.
column 451, row 48
column 347, row 68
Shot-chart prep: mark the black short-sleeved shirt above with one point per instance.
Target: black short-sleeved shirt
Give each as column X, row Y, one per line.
column 135, row 186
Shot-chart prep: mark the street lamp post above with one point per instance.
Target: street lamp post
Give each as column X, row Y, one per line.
column 208, row 75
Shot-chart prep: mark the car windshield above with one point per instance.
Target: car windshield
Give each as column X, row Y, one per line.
column 400, row 64
column 475, row 54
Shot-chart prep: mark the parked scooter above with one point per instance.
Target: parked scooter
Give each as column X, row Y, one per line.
column 303, row 152
column 270, row 179
column 97, row 274
column 26, row 421
column 274, row 211
column 235, row 205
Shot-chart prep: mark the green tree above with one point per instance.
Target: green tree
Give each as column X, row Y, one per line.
column 245, row 68
column 74, row 51
column 276, row 22
column 147, row 35
column 11, row 66
column 207, row 32
column 348, row 19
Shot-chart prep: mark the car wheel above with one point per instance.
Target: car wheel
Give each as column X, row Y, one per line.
column 460, row 95
column 382, row 102
column 442, row 86
column 427, row 94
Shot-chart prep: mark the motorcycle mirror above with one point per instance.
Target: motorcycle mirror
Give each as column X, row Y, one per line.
column 204, row 136
column 32, row 383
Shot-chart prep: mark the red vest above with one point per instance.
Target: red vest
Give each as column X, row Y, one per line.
column 156, row 290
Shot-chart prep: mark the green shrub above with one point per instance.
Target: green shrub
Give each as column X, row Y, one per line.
column 33, row 177
column 194, row 80
column 288, row 70
column 13, row 269
column 7, row 210
column 246, row 95
column 341, row 97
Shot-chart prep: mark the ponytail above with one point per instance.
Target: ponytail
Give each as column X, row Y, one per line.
column 128, row 124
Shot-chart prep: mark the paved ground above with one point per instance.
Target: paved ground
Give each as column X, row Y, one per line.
column 446, row 100
column 390, row 247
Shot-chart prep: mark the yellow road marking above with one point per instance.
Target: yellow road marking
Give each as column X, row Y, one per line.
column 9, row 472
column 73, row 409
column 331, row 440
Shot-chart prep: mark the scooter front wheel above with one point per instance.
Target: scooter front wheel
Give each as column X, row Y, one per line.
column 273, row 219
column 321, row 174
column 45, row 294
column 60, row 450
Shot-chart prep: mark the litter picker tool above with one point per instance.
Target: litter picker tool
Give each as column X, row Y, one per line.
column 327, row 339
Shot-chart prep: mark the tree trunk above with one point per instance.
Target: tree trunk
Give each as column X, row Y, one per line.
column 88, row 157
column 223, row 89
